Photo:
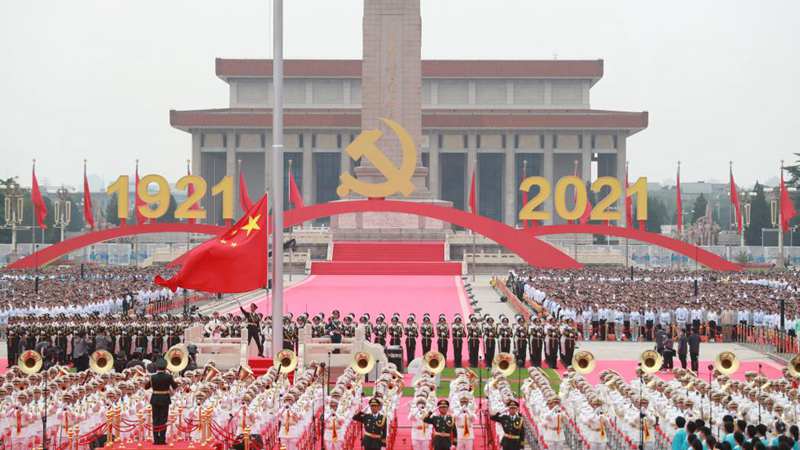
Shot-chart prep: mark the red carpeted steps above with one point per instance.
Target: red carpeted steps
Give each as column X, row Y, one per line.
column 387, row 258
column 259, row 366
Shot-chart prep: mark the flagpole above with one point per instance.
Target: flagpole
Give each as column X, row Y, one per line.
column 33, row 224
column 277, row 178
column 291, row 229
column 780, row 221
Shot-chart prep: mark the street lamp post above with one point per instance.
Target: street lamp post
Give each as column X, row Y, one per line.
column 63, row 212
column 13, row 210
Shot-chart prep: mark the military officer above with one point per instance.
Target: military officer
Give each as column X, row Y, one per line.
column 489, row 340
column 458, row 339
column 473, row 340
column 442, row 335
column 505, row 332
column 411, row 332
column 380, row 330
column 162, row 384
column 426, row 330
column 513, row 427
column 444, row 426
column 521, row 341
column 374, row 426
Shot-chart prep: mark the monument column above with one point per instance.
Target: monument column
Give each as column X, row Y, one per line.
column 621, row 159
column 433, row 167
column 308, row 170
column 197, row 163
column 230, row 165
column 548, row 175
column 509, row 181
column 472, row 168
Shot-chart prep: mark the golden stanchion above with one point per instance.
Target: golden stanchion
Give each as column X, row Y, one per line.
column 77, row 434
column 110, row 426
column 118, row 421
column 246, row 438
column 209, row 413
column 244, row 416
column 69, row 439
column 142, row 429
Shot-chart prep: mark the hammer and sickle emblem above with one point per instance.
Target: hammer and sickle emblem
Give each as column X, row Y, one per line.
column 397, row 179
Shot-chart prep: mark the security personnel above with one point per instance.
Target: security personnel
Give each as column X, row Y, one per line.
column 254, row 328
column 506, row 332
column 473, row 340
column 489, row 340
column 411, row 332
column 374, row 426
column 442, row 335
column 444, row 427
column 380, row 330
column 513, row 427
column 162, row 383
column 458, row 339
column 521, row 341
column 426, row 330
column 395, row 330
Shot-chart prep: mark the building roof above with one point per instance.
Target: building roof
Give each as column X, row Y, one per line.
column 351, row 68
column 431, row 119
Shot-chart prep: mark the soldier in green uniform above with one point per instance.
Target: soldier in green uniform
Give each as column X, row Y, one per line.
column 411, row 332
column 444, row 427
column 426, row 330
column 458, row 339
column 473, row 340
column 374, row 426
column 513, row 427
column 443, row 335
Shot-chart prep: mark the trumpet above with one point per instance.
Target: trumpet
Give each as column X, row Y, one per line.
column 794, row 366
column 210, row 372
column 726, row 362
column 30, row 362
column 363, row 362
column 651, row 361
column 583, row 362
column 101, row 361
column 244, row 373
column 434, row 361
column 287, row 361
column 177, row 358
column 505, row 363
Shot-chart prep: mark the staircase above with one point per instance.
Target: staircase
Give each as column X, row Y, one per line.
column 259, row 366
column 387, row 258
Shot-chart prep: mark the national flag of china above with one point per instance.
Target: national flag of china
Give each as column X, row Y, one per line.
column 294, row 193
column 39, row 206
column 473, row 197
column 233, row 262
column 787, row 207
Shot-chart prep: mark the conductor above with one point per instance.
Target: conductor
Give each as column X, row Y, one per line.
column 162, row 384
column 253, row 327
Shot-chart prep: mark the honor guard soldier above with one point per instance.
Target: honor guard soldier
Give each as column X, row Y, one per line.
column 521, row 340
column 364, row 321
column 289, row 333
column 442, row 335
column 426, row 330
column 505, row 332
column 444, row 427
column 349, row 326
column 380, row 330
column 458, row 339
column 374, row 426
column 395, row 330
column 551, row 344
column 317, row 327
column 570, row 336
column 162, row 383
column 411, row 332
column 473, row 340
column 334, row 323
column 254, row 327
column 536, row 334
column 489, row 340
column 513, row 427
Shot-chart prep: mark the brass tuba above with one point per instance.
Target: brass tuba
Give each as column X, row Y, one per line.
column 363, row 362
column 650, row 361
column 794, row 366
column 101, row 361
column 726, row 362
column 505, row 363
column 583, row 362
column 434, row 361
column 287, row 361
column 177, row 358
column 30, row 362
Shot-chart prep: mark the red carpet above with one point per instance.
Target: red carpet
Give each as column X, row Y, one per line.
column 148, row 445
column 3, row 365
column 387, row 258
column 627, row 369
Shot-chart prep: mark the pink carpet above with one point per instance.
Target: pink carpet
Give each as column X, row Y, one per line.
column 375, row 294
column 3, row 365
column 627, row 369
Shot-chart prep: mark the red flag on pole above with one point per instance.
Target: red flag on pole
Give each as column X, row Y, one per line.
column 735, row 201
column 295, row 197
column 678, row 203
column 787, row 207
column 87, row 200
column 140, row 219
column 473, row 201
column 244, row 197
column 236, row 261
column 39, row 206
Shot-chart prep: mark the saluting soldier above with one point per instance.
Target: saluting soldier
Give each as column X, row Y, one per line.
column 489, row 340
column 521, row 341
column 513, row 427
column 458, row 339
column 380, row 330
column 364, row 320
column 374, row 426
column 536, row 333
column 254, row 327
column 442, row 335
column 395, row 330
column 411, row 331
column 473, row 340
column 505, row 332
column 426, row 330
column 444, row 427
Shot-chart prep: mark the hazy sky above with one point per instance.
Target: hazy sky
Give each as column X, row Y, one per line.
column 96, row 79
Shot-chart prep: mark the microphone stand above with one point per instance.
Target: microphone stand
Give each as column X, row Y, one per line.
column 759, row 394
column 710, row 407
column 44, row 412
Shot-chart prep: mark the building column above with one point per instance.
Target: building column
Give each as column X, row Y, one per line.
column 230, row 168
column 308, row 161
column 268, row 174
column 197, row 163
column 472, row 167
column 344, row 158
column 509, row 181
column 621, row 159
column 434, row 185
column 548, row 175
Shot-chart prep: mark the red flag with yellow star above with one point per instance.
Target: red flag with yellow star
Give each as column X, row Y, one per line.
column 236, row 261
